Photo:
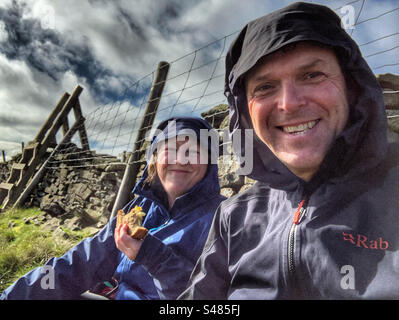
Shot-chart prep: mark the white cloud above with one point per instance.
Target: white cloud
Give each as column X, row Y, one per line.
column 27, row 98
column 100, row 26
column 3, row 32
column 114, row 43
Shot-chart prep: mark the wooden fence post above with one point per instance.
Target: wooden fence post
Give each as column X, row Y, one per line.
column 52, row 117
column 133, row 165
column 84, row 140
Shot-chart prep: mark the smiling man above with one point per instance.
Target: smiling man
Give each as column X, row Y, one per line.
column 298, row 106
column 321, row 220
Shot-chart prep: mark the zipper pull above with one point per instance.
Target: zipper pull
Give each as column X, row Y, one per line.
column 300, row 212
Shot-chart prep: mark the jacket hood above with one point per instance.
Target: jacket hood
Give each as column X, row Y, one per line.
column 363, row 141
column 185, row 126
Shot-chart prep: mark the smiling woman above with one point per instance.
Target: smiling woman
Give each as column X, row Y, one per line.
column 179, row 203
column 178, row 167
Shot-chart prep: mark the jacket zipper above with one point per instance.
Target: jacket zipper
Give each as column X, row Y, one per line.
column 298, row 216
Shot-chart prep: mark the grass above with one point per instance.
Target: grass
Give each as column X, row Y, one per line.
column 27, row 246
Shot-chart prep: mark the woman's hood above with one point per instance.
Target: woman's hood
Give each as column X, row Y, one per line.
column 363, row 142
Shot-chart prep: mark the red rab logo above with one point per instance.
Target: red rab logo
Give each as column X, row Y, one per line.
column 360, row 240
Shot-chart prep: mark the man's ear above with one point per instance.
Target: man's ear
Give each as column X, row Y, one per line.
column 250, row 107
column 249, row 103
column 352, row 90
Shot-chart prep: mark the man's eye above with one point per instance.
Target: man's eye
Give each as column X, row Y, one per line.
column 264, row 87
column 263, row 90
column 313, row 75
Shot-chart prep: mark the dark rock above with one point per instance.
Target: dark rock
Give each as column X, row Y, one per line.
column 52, row 205
column 108, row 176
column 228, row 178
column 60, row 234
column 51, row 224
column 73, row 224
column 216, row 115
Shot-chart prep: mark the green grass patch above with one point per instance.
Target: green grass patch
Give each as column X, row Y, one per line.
column 24, row 247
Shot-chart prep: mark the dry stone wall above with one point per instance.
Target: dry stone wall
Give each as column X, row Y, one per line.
column 87, row 192
column 84, row 195
column 390, row 84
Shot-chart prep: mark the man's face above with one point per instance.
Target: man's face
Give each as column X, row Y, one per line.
column 298, row 105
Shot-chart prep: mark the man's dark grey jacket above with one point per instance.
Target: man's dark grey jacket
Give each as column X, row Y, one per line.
column 346, row 243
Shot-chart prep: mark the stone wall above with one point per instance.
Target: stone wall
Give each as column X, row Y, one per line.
column 390, row 84
column 87, row 191
column 85, row 194
column 230, row 182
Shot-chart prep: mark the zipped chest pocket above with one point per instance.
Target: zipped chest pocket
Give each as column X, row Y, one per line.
column 299, row 214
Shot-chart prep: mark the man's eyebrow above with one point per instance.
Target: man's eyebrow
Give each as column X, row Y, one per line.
column 308, row 65
column 312, row 64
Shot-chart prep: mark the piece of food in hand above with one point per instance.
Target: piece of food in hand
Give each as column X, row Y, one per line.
column 134, row 221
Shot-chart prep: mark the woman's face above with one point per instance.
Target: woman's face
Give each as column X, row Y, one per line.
column 179, row 166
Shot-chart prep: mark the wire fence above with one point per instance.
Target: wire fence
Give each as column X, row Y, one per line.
column 195, row 85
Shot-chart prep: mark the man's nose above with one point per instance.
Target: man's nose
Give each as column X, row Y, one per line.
column 290, row 98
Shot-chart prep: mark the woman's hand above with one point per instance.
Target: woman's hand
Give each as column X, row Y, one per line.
column 125, row 243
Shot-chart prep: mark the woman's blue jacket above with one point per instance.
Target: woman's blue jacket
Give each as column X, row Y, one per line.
column 163, row 265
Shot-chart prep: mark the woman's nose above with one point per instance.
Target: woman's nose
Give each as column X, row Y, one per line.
column 181, row 157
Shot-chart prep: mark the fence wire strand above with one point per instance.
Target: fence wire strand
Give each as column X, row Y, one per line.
column 194, row 86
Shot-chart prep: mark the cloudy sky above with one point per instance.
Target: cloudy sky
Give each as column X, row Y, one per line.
column 111, row 49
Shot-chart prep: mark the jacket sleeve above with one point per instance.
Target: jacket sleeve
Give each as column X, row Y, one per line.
column 169, row 268
column 89, row 262
column 210, row 279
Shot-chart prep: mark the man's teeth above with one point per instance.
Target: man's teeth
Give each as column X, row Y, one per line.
column 302, row 128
